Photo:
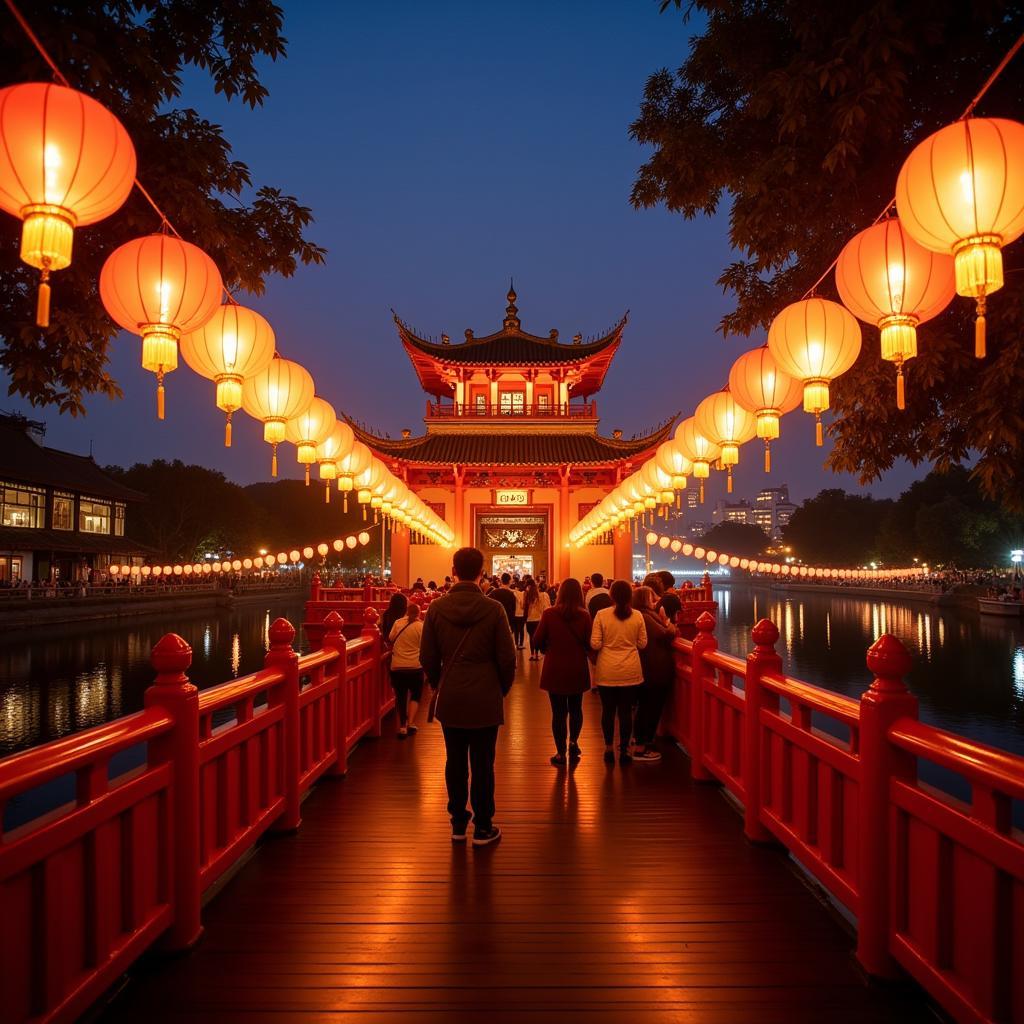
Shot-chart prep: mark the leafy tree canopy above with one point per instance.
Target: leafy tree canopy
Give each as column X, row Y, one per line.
column 130, row 55
column 741, row 539
column 797, row 115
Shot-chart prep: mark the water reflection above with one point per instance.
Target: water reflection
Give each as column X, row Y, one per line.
column 968, row 670
column 61, row 679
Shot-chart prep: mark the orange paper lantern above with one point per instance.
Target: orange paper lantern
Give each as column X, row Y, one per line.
column 757, row 383
column 308, row 429
column 721, row 419
column 160, row 288
column 274, row 396
column 65, row 162
column 961, row 192
column 888, row 279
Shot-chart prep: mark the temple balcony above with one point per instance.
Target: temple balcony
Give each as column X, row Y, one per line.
column 449, row 411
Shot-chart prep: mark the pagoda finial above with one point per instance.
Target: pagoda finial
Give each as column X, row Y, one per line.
column 511, row 320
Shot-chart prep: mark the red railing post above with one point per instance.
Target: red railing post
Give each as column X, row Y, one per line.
column 282, row 658
column 763, row 658
column 334, row 640
column 314, row 587
column 885, row 702
column 370, row 629
column 704, row 641
column 171, row 690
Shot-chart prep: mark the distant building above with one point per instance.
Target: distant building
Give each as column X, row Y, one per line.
column 728, row 512
column 771, row 511
column 61, row 516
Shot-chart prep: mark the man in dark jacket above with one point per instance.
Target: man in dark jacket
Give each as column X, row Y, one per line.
column 467, row 651
column 504, row 596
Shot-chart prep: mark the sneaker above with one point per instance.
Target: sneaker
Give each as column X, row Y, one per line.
column 609, row 757
column 558, row 760
column 574, row 751
column 459, row 833
column 481, row 837
column 647, row 755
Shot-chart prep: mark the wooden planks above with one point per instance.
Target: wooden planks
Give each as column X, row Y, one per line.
column 615, row 892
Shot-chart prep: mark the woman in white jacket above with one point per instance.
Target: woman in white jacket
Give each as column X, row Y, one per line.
column 406, row 671
column 618, row 635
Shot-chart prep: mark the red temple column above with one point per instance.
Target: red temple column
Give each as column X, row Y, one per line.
column 458, row 516
column 622, row 554
column 562, row 538
column 400, row 556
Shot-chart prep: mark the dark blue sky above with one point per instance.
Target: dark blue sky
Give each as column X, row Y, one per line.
column 444, row 147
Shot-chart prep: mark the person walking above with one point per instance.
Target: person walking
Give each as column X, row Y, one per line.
column 396, row 609
column 618, row 635
column 519, row 618
column 470, row 661
column 537, row 601
column 406, row 670
column 504, row 596
column 659, row 669
column 563, row 636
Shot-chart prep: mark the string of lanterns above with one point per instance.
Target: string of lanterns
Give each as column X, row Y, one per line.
column 959, row 200
column 253, row 563
column 712, row 557
column 67, row 162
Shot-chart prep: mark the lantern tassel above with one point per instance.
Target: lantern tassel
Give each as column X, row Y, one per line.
column 273, row 461
column 979, row 329
column 344, row 501
column 307, row 474
column 819, row 435
column 767, row 457
column 43, row 300
column 901, row 394
column 702, row 492
column 728, row 480
column 327, row 493
column 227, row 432
column 364, row 513
column 160, row 396
column 679, row 501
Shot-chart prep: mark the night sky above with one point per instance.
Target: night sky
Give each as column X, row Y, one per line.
column 443, row 148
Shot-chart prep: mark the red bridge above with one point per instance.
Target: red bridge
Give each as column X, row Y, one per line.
column 791, row 852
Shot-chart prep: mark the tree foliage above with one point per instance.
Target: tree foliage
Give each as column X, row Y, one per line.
column 131, row 55
column 797, row 115
column 741, row 539
column 944, row 519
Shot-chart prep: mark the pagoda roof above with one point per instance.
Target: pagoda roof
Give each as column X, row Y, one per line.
column 512, row 449
column 510, row 347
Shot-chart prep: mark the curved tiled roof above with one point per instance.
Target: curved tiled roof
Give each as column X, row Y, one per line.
column 512, row 449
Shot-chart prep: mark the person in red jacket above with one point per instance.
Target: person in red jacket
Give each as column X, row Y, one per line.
column 563, row 635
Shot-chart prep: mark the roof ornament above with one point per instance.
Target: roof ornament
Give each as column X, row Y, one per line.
column 445, row 340
column 577, row 338
column 511, row 321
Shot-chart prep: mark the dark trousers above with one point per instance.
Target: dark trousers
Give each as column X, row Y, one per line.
column 648, row 712
column 408, row 685
column 566, row 706
column 531, row 628
column 518, row 621
column 470, row 752
column 618, row 701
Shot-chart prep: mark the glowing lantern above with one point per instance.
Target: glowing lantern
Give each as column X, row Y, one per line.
column 651, row 539
column 350, row 542
column 335, row 446
column 721, row 419
column 338, row 545
column 351, row 465
column 308, row 429
column 307, row 553
column 364, row 538
column 236, row 564
column 815, row 340
column 236, row 343
column 660, row 482
column 675, row 546
column 322, row 549
column 160, row 288
column 65, row 162
column 757, row 383
column 671, row 459
column 888, row 279
column 294, row 556
column 961, row 192
column 247, row 563
column 274, row 396
column 367, row 481
column 698, row 449
column 663, row 542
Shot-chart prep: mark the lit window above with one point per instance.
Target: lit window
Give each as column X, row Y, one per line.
column 23, row 506
column 63, row 512
column 119, row 520
column 512, row 403
column 94, row 516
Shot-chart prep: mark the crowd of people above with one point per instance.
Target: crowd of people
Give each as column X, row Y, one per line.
column 461, row 640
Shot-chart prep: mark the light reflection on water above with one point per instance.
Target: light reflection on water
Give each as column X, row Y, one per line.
column 61, row 679
column 968, row 672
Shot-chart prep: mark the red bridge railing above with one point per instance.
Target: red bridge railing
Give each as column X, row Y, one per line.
column 936, row 885
column 87, row 888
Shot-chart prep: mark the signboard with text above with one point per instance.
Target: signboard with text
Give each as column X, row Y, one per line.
column 514, row 499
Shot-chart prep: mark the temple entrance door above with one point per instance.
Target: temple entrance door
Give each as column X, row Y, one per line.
column 512, row 563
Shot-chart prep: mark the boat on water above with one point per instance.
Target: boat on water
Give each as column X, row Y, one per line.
column 998, row 606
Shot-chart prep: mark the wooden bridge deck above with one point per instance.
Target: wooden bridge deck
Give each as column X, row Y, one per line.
column 615, row 895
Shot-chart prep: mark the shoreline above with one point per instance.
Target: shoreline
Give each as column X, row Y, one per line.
column 968, row 602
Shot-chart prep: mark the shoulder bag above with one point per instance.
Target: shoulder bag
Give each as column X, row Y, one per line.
column 432, row 707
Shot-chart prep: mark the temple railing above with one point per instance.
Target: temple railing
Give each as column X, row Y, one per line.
column 936, row 885
column 88, row 887
column 536, row 410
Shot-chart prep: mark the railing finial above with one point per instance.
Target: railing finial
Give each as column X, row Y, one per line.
column 889, row 661
column 281, row 633
column 171, row 657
